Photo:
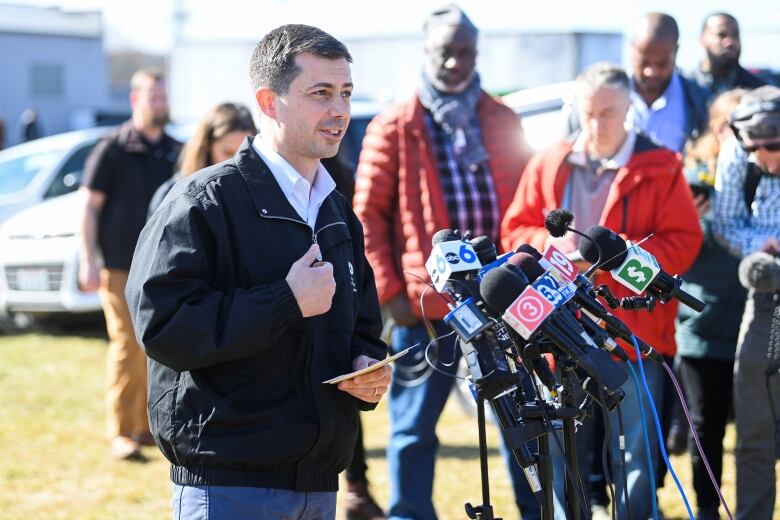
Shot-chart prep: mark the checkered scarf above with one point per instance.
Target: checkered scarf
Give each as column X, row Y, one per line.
column 457, row 115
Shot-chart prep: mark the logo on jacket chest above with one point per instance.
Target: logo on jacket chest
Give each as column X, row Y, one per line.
column 352, row 276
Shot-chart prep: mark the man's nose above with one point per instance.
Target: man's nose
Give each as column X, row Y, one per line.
column 340, row 108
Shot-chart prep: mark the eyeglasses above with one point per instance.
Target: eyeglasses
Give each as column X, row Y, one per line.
column 769, row 147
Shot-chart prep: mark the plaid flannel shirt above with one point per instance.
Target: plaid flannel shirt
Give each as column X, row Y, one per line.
column 744, row 231
column 470, row 196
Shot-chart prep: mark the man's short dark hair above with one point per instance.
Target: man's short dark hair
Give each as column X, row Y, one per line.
column 717, row 15
column 654, row 27
column 273, row 60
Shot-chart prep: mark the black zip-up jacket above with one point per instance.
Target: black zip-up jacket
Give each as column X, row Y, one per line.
column 235, row 372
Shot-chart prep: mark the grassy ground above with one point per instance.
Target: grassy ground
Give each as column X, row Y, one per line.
column 53, row 461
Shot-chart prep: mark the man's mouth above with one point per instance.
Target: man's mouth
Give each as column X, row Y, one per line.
column 333, row 132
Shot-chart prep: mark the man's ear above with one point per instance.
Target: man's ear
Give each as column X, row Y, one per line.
column 266, row 100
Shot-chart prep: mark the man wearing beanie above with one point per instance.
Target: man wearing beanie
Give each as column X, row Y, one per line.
column 747, row 195
column 449, row 158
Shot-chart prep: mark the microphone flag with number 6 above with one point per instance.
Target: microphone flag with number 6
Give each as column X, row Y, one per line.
column 448, row 257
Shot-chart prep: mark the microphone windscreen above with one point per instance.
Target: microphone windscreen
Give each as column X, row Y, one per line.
column 760, row 271
column 612, row 246
column 528, row 264
column 444, row 235
column 531, row 250
column 557, row 220
column 485, row 249
column 500, row 287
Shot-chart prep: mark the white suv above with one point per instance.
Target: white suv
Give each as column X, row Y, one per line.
column 39, row 260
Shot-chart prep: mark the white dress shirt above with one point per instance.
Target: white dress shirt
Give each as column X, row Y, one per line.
column 305, row 197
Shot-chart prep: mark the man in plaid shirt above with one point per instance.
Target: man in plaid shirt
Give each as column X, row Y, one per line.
column 747, row 219
column 449, row 158
column 754, row 151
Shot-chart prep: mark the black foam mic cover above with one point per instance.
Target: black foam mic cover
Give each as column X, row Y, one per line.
column 557, row 221
column 444, row 235
column 528, row 264
column 500, row 287
column 613, row 247
column 484, row 248
column 531, row 250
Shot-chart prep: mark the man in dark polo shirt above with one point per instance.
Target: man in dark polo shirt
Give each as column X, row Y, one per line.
column 120, row 177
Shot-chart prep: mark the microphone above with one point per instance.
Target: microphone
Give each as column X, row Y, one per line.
column 760, row 272
column 633, row 267
column 526, row 310
column 444, row 235
column 558, row 292
column 558, row 221
column 483, row 344
column 585, row 297
column 485, row 249
column 451, row 259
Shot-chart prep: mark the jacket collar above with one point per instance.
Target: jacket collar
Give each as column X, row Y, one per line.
column 268, row 197
column 131, row 140
column 647, row 161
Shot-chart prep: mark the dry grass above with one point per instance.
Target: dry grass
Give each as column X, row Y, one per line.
column 53, row 461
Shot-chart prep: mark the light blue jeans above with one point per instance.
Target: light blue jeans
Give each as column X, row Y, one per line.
column 231, row 502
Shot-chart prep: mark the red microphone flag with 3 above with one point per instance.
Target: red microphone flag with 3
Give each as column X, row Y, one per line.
column 527, row 312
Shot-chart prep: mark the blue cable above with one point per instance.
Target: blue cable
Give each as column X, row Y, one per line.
column 658, row 429
column 646, row 438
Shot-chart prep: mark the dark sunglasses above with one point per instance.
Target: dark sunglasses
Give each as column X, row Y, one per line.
column 770, row 147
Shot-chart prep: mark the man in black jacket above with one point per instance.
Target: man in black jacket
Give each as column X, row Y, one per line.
column 720, row 70
column 249, row 288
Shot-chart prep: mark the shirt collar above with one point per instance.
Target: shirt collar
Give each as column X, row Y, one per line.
column 668, row 95
column 288, row 177
column 579, row 157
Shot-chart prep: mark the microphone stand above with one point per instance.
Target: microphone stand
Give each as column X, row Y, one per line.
column 483, row 511
column 572, row 470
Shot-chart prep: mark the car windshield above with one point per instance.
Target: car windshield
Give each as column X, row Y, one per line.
column 18, row 171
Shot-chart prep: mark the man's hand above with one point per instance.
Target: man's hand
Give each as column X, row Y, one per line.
column 401, row 312
column 89, row 276
column 312, row 283
column 368, row 387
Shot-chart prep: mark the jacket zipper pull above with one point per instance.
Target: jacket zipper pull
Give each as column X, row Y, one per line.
column 314, row 241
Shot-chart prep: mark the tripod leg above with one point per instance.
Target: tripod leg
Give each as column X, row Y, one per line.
column 546, row 476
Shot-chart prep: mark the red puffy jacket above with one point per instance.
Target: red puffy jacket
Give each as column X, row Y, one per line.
column 399, row 200
column 649, row 195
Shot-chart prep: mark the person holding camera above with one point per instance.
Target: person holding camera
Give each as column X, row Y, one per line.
column 746, row 218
